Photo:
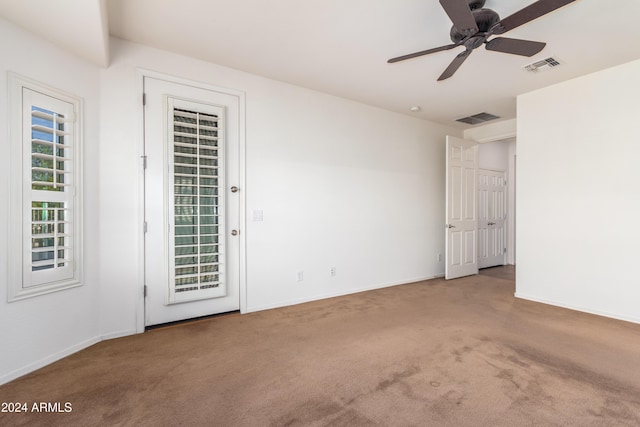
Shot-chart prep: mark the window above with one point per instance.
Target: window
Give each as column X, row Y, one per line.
column 46, row 205
column 196, row 214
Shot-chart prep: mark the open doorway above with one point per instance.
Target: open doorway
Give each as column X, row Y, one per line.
column 480, row 205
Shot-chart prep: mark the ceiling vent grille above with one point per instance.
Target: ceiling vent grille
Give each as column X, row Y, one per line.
column 542, row 65
column 477, row 118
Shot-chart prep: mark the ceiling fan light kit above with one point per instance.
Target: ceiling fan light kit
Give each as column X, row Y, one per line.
column 473, row 26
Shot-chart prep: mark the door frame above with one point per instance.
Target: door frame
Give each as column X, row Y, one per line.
column 141, row 74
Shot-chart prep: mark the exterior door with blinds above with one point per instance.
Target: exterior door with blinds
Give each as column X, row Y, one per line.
column 191, row 210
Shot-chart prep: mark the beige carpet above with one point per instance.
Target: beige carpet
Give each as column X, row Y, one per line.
column 457, row 353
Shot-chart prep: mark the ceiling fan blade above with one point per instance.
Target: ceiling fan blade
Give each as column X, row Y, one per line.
column 528, row 14
column 455, row 64
column 460, row 15
column 515, row 46
column 422, row 52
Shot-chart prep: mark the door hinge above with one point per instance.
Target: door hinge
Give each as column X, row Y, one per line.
column 144, row 290
column 144, row 226
column 144, row 99
column 505, row 250
column 144, row 162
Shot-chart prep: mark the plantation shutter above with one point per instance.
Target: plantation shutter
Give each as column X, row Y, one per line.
column 197, row 211
column 48, row 189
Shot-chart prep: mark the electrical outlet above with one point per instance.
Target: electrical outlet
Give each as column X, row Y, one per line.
column 439, row 257
column 332, row 271
column 300, row 276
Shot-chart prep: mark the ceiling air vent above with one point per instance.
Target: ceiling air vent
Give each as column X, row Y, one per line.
column 542, row 65
column 477, row 118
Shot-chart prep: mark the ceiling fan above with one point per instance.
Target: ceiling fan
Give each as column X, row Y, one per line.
column 473, row 25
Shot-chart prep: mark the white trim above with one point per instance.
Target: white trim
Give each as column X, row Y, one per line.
column 141, row 74
column 119, row 334
column 578, row 308
column 242, row 220
column 48, row 360
column 495, row 170
column 186, row 82
column 496, row 138
column 296, row 301
column 16, row 289
column 141, row 206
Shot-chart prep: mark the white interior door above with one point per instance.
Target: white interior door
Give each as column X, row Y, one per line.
column 491, row 218
column 192, row 202
column 461, row 208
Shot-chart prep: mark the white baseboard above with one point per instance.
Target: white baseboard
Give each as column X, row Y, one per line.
column 48, row 360
column 119, row 334
column 579, row 308
column 61, row 355
column 336, row 294
column 87, row 343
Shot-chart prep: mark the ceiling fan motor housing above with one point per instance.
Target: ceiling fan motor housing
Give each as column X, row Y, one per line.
column 485, row 19
column 476, row 4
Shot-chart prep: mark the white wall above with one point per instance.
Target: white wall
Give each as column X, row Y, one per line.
column 494, row 156
column 340, row 184
column 37, row 331
column 578, row 203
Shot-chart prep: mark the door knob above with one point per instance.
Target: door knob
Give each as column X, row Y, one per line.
column 451, row 226
column 234, row 189
column 234, row 232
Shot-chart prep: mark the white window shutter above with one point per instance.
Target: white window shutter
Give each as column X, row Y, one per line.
column 49, row 187
column 46, row 193
column 197, row 211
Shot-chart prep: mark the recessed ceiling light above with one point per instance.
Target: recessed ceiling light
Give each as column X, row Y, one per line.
column 415, row 109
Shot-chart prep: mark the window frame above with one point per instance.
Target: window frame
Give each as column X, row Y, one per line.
column 20, row 283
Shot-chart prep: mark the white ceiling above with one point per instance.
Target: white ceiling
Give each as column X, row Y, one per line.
column 79, row 26
column 341, row 47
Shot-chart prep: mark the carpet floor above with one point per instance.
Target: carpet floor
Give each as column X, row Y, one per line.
column 434, row 353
